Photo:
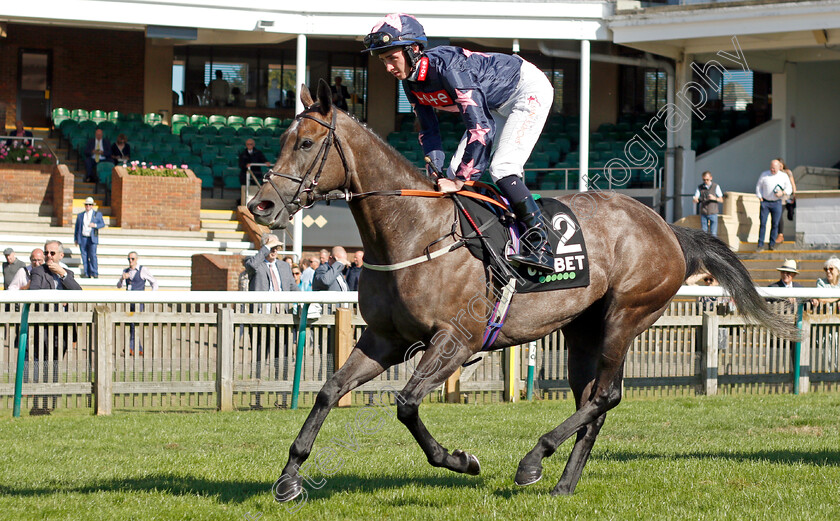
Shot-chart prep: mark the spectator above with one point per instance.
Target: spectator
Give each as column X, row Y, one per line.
column 772, row 188
column 251, row 155
column 121, row 150
column 708, row 196
column 238, row 97
column 788, row 272
column 53, row 274
column 134, row 278
column 19, row 132
column 88, row 224
column 355, row 270
column 219, row 90
column 296, row 274
column 721, row 305
column 330, row 275
column 267, row 274
column 290, row 261
column 98, row 149
column 340, row 94
column 308, row 273
column 831, row 280
column 22, row 277
column 11, row 267
column 323, row 256
column 789, row 203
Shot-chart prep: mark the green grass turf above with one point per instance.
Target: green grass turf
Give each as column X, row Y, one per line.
column 730, row 457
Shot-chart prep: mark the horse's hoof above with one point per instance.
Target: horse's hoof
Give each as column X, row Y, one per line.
column 287, row 488
column 527, row 475
column 473, row 466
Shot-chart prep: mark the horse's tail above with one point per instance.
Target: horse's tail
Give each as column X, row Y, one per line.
column 706, row 253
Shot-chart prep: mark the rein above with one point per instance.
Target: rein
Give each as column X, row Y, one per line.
column 312, row 197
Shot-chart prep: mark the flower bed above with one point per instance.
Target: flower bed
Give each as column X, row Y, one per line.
column 25, row 154
column 156, row 198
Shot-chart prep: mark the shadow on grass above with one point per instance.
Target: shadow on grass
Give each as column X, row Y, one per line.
column 240, row 491
column 799, row 457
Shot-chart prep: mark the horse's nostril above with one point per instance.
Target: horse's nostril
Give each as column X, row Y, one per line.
column 264, row 205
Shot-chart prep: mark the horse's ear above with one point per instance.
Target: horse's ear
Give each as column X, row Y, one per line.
column 305, row 96
column 324, row 96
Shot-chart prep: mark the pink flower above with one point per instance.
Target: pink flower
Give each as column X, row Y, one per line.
column 184, row 167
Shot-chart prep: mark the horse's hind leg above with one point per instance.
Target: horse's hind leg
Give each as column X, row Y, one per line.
column 583, row 446
column 432, row 370
column 595, row 376
column 371, row 356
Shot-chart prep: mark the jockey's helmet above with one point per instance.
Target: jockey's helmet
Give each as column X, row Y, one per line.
column 396, row 30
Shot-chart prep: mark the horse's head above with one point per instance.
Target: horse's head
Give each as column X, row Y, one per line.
column 311, row 163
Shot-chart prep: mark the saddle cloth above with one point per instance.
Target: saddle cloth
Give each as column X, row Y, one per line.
column 571, row 263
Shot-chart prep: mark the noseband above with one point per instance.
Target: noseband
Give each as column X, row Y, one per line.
column 303, row 187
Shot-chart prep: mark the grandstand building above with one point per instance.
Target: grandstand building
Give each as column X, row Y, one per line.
column 664, row 90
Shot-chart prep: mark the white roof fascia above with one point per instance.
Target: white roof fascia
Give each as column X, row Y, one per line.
column 686, row 24
column 531, row 19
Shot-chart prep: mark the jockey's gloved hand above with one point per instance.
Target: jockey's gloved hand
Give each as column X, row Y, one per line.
column 450, row 185
column 437, row 157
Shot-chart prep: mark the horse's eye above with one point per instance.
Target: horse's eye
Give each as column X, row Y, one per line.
column 306, row 144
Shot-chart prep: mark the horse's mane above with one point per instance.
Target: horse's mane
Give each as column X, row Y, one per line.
column 389, row 150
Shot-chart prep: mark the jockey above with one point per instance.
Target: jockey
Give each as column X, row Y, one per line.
column 503, row 100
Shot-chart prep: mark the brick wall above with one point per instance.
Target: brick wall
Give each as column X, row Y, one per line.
column 26, row 184
column 156, row 203
column 216, row 272
column 62, row 189
column 91, row 68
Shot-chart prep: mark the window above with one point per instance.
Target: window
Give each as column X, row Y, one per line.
column 556, row 78
column 355, row 79
column 737, row 90
column 655, row 90
column 281, row 85
column 234, row 73
column 178, row 80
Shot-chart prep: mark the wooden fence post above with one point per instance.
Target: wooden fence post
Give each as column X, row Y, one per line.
column 452, row 387
column 224, row 359
column 805, row 354
column 343, row 345
column 103, row 360
column 511, row 373
column 709, row 365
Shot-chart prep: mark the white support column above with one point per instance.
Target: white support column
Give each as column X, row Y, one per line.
column 300, row 79
column 585, row 72
column 679, row 172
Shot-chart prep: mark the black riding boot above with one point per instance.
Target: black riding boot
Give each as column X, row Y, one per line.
column 534, row 249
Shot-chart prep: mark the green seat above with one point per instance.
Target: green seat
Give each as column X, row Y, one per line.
column 88, row 126
column 198, row 143
column 187, row 134
column 80, row 114
column 271, row 122
column 160, row 128
column 279, row 131
column 208, row 157
column 198, row 120
column 98, row 116
column 133, row 116
column 264, row 132
column 152, row 118
column 235, row 121
column 115, row 116
column 245, row 132
column 103, row 172
column 179, row 122
column 227, row 131
column 207, row 130
column 254, row 122
column 60, row 115
column 155, row 159
column 287, row 122
column 217, row 121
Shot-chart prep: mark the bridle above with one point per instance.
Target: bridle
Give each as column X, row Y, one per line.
column 303, row 188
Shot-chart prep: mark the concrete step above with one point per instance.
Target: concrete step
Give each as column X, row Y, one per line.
column 110, row 283
column 165, row 247
column 16, row 219
column 223, row 214
column 219, row 225
column 772, row 264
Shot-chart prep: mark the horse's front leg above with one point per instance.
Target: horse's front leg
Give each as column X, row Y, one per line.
column 435, row 366
column 371, row 356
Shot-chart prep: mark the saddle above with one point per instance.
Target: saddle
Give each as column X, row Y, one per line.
column 491, row 235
